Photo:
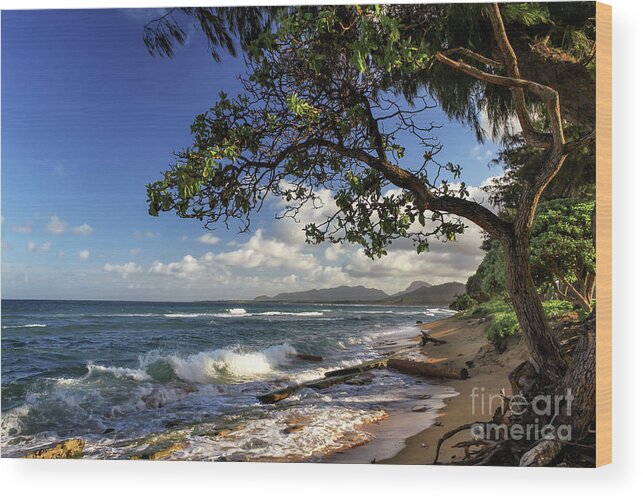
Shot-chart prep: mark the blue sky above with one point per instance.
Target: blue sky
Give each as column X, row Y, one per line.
column 89, row 117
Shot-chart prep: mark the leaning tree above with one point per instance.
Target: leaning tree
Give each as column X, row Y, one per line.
column 327, row 98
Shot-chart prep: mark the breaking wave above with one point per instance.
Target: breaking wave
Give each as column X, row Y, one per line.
column 202, row 367
column 23, row 325
column 118, row 372
column 294, row 314
column 242, row 312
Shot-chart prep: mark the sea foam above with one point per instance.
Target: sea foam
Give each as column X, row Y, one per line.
column 211, row 366
column 23, row 325
column 119, row 372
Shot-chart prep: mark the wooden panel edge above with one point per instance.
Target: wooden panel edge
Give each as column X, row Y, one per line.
column 604, row 234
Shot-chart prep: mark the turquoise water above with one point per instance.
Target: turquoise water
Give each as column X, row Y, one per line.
column 115, row 372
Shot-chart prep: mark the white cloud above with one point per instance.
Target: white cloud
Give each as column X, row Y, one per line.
column 201, row 272
column 38, row 248
column 84, row 254
column 482, row 153
column 260, row 251
column 83, row 230
column 124, row 269
column 334, row 252
column 23, row 229
column 291, row 231
column 7, row 246
column 186, row 267
column 56, row 226
column 208, row 239
column 148, row 234
column 276, row 259
column 445, row 261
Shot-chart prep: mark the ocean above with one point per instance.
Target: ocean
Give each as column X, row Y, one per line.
column 131, row 377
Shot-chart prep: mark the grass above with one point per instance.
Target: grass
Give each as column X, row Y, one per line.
column 502, row 318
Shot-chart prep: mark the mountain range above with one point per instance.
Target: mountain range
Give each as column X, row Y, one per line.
column 417, row 293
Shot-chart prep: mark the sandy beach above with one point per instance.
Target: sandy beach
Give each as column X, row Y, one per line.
column 465, row 342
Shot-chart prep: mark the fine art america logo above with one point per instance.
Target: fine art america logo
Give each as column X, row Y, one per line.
column 543, row 412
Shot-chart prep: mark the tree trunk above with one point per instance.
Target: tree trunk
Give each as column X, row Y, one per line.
column 580, row 380
column 542, row 343
column 579, row 385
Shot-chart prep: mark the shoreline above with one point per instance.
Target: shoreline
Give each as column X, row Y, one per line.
column 466, row 341
column 416, row 417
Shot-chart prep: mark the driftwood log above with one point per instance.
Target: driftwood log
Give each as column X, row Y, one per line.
column 330, row 378
column 426, row 369
column 305, row 356
column 360, row 368
column 339, row 376
column 427, row 338
column 318, row 384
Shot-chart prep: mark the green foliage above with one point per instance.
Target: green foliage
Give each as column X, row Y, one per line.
column 317, row 111
column 489, row 279
column 576, row 179
column 502, row 324
column 561, row 242
column 561, row 246
column 494, row 306
column 221, row 26
column 400, row 39
column 502, row 320
column 555, row 308
column 526, row 14
column 462, row 302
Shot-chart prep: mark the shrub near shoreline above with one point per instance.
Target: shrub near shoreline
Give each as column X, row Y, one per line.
column 502, row 321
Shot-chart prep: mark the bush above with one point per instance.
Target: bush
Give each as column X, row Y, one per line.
column 463, row 302
column 554, row 308
column 503, row 324
column 503, row 321
column 488, row 308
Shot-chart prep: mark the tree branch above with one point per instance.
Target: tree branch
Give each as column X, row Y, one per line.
column 425, row 198
column 473, row 55
column 532, row 136
column 557, row 149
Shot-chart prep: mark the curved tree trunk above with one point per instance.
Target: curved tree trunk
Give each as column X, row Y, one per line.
column 543, row 346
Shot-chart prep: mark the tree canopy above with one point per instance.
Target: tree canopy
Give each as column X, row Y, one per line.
column 329, row 90
column 555, row 43
column 319, row 110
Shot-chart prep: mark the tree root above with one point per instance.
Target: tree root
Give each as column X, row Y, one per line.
column 451, row 433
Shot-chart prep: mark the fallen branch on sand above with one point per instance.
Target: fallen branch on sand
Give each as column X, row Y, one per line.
column 339, row 376
column 482, row 456
column 360, row 368
column 318, row 384
column 427, row 338
column 427, row 369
